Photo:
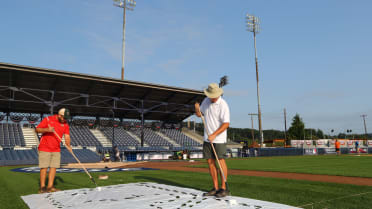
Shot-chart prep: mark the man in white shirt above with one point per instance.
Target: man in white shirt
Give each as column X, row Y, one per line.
column 217, row 120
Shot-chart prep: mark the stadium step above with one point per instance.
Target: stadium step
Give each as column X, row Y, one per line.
column 30, row 137
column 137, row 138
column 101, row 138
column 193, row 135
column 167, row 138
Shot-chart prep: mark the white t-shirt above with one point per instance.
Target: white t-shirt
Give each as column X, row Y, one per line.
column 215, row 115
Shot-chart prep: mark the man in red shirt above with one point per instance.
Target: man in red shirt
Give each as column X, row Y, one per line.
column 50, row 146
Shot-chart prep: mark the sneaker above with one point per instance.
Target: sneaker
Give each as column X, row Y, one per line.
column 52, row 189
column 222, row 193
column 210, row 193
column 42, row 190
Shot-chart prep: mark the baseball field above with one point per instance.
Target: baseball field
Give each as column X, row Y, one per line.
column 301, row 181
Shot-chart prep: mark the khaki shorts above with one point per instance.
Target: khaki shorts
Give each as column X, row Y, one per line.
column 220, row 150
column 49, row 159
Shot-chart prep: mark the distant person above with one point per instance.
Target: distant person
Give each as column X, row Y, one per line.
column 217, row 119
column 122, row 156
column 357, row 146
column 49, row 149
column 107, row 157
column 337, row 145
column 117, row 154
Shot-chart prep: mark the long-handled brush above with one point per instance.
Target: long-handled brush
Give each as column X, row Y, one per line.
column 215, row 154
column 72, row 153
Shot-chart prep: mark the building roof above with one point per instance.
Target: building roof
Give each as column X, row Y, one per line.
column 39, row 90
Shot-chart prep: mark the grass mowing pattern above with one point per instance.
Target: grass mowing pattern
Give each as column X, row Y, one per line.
column 359, row 166
column 291, row 192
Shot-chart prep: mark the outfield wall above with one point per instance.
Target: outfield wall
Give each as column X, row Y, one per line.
column 275, row 151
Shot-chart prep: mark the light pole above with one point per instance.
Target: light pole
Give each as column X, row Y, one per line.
column 348, row 131
column 253, row 26
column 365, row 126
column 125, row 4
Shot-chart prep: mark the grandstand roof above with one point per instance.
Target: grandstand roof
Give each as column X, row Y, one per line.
column 39, row 90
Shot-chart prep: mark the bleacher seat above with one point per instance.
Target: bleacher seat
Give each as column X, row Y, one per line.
column 30, row 156
column 11, row 135
column 122, row 138
column 151, row 138
column 180, row 138
column 81, row 136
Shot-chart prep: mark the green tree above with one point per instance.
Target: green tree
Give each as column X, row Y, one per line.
column 310, row 133
column 297, row 129
column 319, row 134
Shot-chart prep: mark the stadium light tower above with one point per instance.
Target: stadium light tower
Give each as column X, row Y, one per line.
column 365, row 126
column 125, row 4
column 253, row 26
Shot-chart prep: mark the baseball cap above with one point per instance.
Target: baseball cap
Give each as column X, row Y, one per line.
column 65, row 113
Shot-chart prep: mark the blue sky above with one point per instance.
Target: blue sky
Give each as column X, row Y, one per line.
column 314, row 56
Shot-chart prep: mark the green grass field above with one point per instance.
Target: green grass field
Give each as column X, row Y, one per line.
column 291, row 192
column 344, row 165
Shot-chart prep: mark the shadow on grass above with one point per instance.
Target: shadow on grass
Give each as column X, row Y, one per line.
column 166, row 181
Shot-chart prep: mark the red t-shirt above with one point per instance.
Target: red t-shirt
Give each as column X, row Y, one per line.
column 49, row 142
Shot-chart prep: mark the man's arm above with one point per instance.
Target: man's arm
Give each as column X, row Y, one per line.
column 197, row 109
column 221, row 129
column 68, row 142
column 45, row 130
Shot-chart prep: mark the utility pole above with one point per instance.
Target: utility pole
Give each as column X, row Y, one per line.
column 252, row 130
column 365, row 126
column 285, row 126
column 253, row 26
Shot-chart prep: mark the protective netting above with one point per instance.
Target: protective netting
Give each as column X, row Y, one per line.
column 141, row 196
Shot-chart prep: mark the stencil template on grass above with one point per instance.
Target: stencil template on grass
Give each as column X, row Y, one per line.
column 142, row 195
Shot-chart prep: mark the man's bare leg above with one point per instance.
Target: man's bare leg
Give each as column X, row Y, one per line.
column 224, row 169
column 52, row 174
column 43, row 172
column 213, row 172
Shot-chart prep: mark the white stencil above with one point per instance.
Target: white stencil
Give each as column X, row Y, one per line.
column 141, row 196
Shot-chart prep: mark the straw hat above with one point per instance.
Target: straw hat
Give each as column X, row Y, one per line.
column 213, row 91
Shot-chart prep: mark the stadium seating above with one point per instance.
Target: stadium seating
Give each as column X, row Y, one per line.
column 30, row 156
column 180, row 138
column 84, row 155
column 151, row 138
column 81, row 136
column 122, row 138
column 11, row 135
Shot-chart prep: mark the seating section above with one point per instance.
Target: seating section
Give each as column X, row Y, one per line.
column 180, row 138
column 11, row 135
column 151, row 138
column 82, row 136
column 30, row 156
column 122, row 138
column 84, row 155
